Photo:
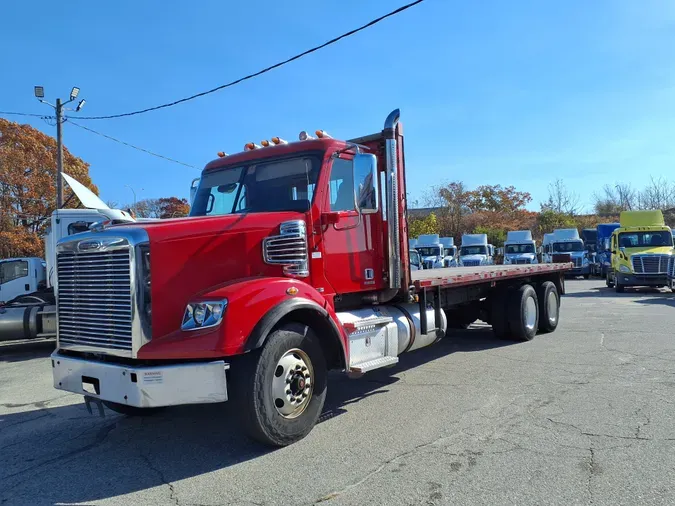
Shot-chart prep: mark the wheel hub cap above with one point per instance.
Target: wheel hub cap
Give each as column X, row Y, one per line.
column 530, row 313
column 552, row 306
column 292, row 383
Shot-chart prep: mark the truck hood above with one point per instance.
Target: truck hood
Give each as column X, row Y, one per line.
column 649, row 250
column 516, row 256
column 189, row 256
column 473, row 257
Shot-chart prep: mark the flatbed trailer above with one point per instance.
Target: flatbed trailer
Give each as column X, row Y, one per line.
column 462, row 276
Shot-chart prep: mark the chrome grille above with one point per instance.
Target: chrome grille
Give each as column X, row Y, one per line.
column 521, row 261
column 650, row 264
column 289, row 248
column 577, row 261
column 470, row 263
column 671, row 267
column 95, row 299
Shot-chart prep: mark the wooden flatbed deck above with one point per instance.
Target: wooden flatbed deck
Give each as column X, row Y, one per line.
column 460, row 276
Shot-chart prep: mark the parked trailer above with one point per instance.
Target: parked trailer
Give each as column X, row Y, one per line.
column 323, row 282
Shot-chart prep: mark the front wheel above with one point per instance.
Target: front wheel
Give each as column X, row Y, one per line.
column 281, row 388
column 618, row 286
column 586, row 276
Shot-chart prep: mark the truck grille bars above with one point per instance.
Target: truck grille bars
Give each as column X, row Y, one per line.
column 95, row 299
column 650, row 264
column 289, row 248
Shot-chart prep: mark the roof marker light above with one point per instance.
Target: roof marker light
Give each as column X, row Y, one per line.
column 322, row 134
column 278, row 140
column 304, row 136
column 265, row 143
column 251, row 146
column 222, row 154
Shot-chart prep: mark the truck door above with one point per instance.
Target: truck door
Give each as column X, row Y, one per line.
column 352, row 243
column 15, row 279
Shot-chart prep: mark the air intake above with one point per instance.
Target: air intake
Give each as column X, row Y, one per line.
column 289, row 248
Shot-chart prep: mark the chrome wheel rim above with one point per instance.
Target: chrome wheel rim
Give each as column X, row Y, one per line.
column 292, row 383
column 552, row 308
column 530, row 313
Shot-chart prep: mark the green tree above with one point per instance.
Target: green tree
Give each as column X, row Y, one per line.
column 420, row 226
column 496, row 236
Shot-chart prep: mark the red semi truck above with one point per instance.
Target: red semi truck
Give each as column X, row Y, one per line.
column 294, row 261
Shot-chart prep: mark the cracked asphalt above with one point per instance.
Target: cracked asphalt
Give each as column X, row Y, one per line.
column 581, row 416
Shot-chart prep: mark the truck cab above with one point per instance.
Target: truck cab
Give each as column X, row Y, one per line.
column 21, row 276
column 449, row 252
column 603, row 247
column 431, row 251
column 642, row 249
column 475, row 251
column 566, row 241
column 520, row 248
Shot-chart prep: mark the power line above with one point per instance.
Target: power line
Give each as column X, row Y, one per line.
column 24, row 114
column 132, row 146
column 265, row 70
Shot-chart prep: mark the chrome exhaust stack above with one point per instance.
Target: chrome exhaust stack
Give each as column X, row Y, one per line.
column 391, row 150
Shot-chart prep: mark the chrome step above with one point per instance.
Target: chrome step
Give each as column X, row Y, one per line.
column 367, row 324
column 373, row 364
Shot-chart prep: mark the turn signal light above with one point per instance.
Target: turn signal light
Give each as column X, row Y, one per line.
column 322, row 134
column 278, row 140
column 304, row 136
column 251, row 146
column 222, row 154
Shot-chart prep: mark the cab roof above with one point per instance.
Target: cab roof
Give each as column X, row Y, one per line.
column 275, row 151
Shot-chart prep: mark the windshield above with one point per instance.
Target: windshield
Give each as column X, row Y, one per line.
column 429, row 251
column 262, row 186
column 519, row 248
column 414, row 257
column 566, row 247
column 644, row 239
column 473, row 250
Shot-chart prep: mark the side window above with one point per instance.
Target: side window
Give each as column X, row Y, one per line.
column 10, row 271
column 342, row 185
column 79, row 226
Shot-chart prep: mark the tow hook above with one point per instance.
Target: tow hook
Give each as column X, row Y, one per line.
column 88, row 401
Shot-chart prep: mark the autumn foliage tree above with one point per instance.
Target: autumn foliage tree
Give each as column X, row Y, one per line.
column 166, row 207
column 28, row 187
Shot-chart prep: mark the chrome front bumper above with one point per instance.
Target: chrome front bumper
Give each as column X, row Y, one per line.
column 142, row 387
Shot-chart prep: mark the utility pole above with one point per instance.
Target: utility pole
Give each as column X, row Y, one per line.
column 58, row 109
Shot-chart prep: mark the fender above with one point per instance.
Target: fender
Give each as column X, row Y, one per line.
column 254, row 306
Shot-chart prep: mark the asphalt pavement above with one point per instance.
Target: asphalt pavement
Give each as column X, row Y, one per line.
column 581, row 416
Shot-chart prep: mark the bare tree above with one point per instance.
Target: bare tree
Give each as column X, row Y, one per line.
column 658, row 194
column 560, row 199
column 615, row 198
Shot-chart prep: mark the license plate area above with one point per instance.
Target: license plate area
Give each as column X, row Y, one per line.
column 91, row 385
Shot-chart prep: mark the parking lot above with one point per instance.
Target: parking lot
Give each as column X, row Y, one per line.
column 581, row 416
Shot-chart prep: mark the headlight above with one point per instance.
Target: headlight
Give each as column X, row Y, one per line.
column 507, row 260
column 606, row 263
column 624, row 268
column 584, row 261
column 201, row 315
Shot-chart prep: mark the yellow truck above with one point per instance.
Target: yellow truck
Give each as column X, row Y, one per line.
column 642, row 249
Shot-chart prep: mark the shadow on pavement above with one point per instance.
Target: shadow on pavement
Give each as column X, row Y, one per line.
column 18, row 352
column 64, row 455
column 603, row 291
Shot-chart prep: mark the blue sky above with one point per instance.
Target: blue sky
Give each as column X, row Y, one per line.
column 491, row 92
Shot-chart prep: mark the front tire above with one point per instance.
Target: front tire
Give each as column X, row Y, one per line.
column 282, row 387
column 618, row 286
column 549, row 307
column 524, row 314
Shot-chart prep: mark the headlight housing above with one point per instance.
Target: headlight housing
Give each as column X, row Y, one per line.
column 202, row 315
column 585, row 260
column 624, row 269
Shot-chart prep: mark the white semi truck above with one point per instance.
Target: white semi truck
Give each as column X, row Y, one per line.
column 475, row 251
column 520, row 248
column 449, row 252
column 431, row 250
column 32, row 314
column 566, row 241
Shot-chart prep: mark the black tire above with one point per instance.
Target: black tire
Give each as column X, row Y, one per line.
column 253, row 386
column 125, row 409
column 586, row 276
column 548, row 320
column 618, row 286
column 498, row 316
column 522, row 327
column 609, row 280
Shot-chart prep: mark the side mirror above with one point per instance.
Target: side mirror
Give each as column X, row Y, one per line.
column 193, row 189
column 365, row 183
column 613, row 252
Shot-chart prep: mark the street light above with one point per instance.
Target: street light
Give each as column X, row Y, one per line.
column 134, row 192
column 58, row 108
